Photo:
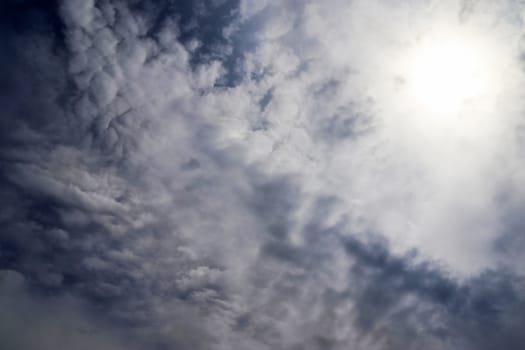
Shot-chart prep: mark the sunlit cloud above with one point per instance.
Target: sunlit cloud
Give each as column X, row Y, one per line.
column 262, row 175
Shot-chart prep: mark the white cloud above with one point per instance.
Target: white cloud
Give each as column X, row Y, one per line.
column 236, row 214
column 423, row 182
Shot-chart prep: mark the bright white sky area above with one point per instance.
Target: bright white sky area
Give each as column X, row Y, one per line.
column 435, row 92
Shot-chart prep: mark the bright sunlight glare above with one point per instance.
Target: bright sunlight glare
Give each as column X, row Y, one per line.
column 446, row 75
column 451, row 81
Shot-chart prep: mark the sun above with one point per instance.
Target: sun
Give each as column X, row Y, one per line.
column 446, row 75
column 448, row 84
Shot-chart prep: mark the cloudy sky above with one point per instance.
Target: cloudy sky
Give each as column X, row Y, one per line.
column 258, row 174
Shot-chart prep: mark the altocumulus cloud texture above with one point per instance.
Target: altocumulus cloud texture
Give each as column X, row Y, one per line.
column 224, row 174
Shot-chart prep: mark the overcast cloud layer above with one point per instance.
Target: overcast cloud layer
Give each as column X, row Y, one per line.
column 224, row 174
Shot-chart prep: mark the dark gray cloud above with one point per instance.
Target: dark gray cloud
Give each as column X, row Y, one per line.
column 160, row 190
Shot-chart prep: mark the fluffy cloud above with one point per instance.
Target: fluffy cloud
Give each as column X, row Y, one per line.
column 232, row 175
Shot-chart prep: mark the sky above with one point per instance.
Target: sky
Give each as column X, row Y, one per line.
column 256, row 174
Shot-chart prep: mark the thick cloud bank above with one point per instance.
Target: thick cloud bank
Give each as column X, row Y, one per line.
column 224, row 174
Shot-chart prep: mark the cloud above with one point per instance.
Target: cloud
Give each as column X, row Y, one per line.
column 250, row 175
column 26, row 322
